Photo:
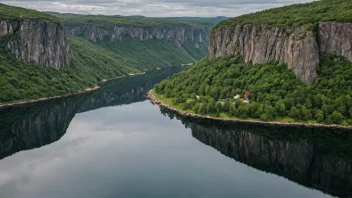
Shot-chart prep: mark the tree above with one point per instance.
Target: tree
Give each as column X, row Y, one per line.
column 243, row 110
column 196, row 108
column 305, row 113
column 280, row 108
column 218, row 107
column 203, row 109
column 342, row 109
column 233, row 110
column 264, row 117
column 294, row 113
column 325, row 109
column 319, row 115
column 337, row 117
column 226, row 106
column 270, row 112
column 289, row 102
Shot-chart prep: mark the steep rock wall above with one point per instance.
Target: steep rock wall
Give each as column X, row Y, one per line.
column 177, row 35
column 38, row 41
column 336, row 38
column 299, row 48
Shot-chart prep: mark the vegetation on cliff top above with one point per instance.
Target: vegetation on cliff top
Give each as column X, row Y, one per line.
column 209, row 88
column 13, row 13
column 72, row 20
column 309, row 14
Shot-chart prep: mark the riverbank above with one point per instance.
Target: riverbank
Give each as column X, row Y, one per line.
column 154, row 100
column 16, row 104
column 20, row 103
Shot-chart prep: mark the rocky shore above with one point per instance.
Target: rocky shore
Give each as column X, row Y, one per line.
column 154, row 100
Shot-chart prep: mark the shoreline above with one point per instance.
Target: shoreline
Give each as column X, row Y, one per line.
column 16, row 104
column 49, row 98
column 154, row 100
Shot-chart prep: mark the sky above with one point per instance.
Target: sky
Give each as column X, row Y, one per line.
column 154, row 8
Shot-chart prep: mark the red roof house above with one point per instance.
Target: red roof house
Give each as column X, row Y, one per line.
column 247, row 95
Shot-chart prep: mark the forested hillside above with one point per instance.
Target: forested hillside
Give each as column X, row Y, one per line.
column 84, row 59
column 307, row 14
column 288, row 64
column 209, row 87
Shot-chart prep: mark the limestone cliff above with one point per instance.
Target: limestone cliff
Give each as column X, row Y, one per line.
column 298, row 47
column 38, row 41
column 177, row 35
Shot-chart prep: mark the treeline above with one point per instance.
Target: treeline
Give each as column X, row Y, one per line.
column 276, row 93
column 309, row 14
column 17, row 14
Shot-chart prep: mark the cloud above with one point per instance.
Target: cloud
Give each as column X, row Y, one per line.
column 156, row 8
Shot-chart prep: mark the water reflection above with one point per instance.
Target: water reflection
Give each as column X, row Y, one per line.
column 315, row 158
column 35, row 125
column 126, row 147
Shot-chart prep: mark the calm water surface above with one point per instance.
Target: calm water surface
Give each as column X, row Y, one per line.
column 114, row 143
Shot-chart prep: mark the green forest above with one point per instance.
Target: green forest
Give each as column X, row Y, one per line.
column 308, row 14
column 276, row 94
column 17, row 14
column 20, row 81
column 72, row 20
column 91, row 62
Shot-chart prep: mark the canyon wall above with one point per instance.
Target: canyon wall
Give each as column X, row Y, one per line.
column 177, row 35
column 37, row 41
column 298, row 47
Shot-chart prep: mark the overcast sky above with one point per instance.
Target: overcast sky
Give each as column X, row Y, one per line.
column 157, row 8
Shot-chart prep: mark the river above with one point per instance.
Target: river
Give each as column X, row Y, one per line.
column 112, row 142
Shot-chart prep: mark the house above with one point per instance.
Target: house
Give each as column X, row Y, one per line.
column 247, row 95
column 238, row 96
column 246, row 101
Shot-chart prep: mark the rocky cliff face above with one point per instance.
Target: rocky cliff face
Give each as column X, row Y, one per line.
column 177, row 35
column 299, row 48
column 38, row 41
column 336, row 38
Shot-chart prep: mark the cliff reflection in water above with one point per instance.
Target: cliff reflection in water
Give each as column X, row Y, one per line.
column 38, row 124
column 315, row 158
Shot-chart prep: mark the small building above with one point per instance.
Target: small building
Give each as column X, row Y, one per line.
column 238, row 96
column 246, row 101
column 197, row 97
column 247, row 95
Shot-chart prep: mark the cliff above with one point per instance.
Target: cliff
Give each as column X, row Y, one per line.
column 38, row 41
column 298, row 47
column 177, row 35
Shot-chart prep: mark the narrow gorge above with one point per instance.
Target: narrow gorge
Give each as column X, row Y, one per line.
column 177, row 35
